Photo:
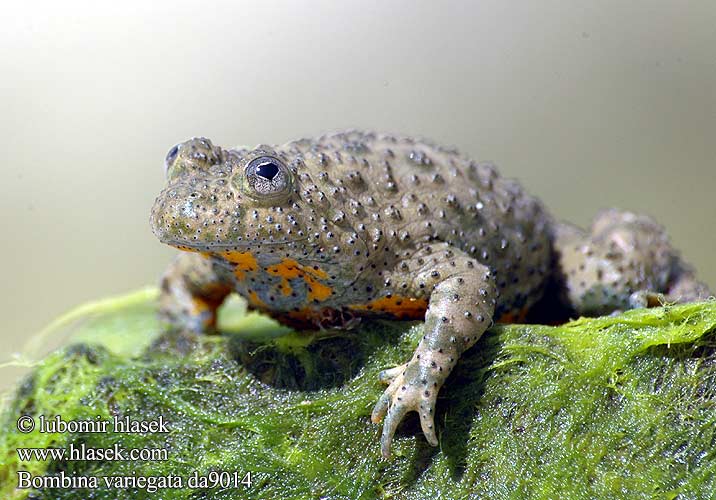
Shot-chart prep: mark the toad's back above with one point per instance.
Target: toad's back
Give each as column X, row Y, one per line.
column 401, row 194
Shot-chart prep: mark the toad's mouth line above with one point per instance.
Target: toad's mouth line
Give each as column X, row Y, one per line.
column 236, row 245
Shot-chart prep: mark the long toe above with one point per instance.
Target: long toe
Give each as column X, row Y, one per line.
column 387, row 376
column 395, row 414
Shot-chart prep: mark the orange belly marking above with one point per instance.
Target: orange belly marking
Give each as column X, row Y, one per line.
column 305, row 316
column 192, row 250
column 245, row 262
column 255, row 301
column 398, row 306
column 513, row 316
column 289, row 269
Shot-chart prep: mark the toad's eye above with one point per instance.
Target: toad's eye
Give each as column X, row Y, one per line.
column 171, row 156
column 267, row 177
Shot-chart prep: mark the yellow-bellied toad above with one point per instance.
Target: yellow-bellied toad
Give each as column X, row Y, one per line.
column 320, row 231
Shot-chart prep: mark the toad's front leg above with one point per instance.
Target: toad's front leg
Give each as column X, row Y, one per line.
column 191, row 292
column 461, row 303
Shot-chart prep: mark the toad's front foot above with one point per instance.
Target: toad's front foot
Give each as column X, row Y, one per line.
column 411, row 388
column 191, row 293
column 461, row 305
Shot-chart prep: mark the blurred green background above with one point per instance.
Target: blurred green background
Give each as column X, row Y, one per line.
column 590, row 104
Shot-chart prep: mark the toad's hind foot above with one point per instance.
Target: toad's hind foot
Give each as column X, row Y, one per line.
column 626, row 261
column 408, row 391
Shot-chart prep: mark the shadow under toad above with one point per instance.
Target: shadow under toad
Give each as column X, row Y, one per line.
column 312, row 361
column 332, row 358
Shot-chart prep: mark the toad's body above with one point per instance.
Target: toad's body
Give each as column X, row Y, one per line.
column 319, row 232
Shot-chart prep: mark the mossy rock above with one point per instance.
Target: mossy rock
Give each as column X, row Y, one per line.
column 613, row 407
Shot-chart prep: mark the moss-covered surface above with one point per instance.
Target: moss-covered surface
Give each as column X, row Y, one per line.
column 616, row 407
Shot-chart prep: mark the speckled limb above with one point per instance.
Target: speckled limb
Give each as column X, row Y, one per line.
column 686, row 287
column 461, row 304
column 191, row 293
column 626, row 261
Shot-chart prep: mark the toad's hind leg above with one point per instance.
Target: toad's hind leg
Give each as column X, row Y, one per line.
column 625, row 261
column 461, row 304
column 685, row 287
column 191, row 292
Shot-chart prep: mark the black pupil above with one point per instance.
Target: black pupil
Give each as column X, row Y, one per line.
column 267, row 170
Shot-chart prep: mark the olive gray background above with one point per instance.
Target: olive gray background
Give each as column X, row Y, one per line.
column 589, row 104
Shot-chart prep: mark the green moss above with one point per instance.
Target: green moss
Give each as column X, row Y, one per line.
column 614, row 407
